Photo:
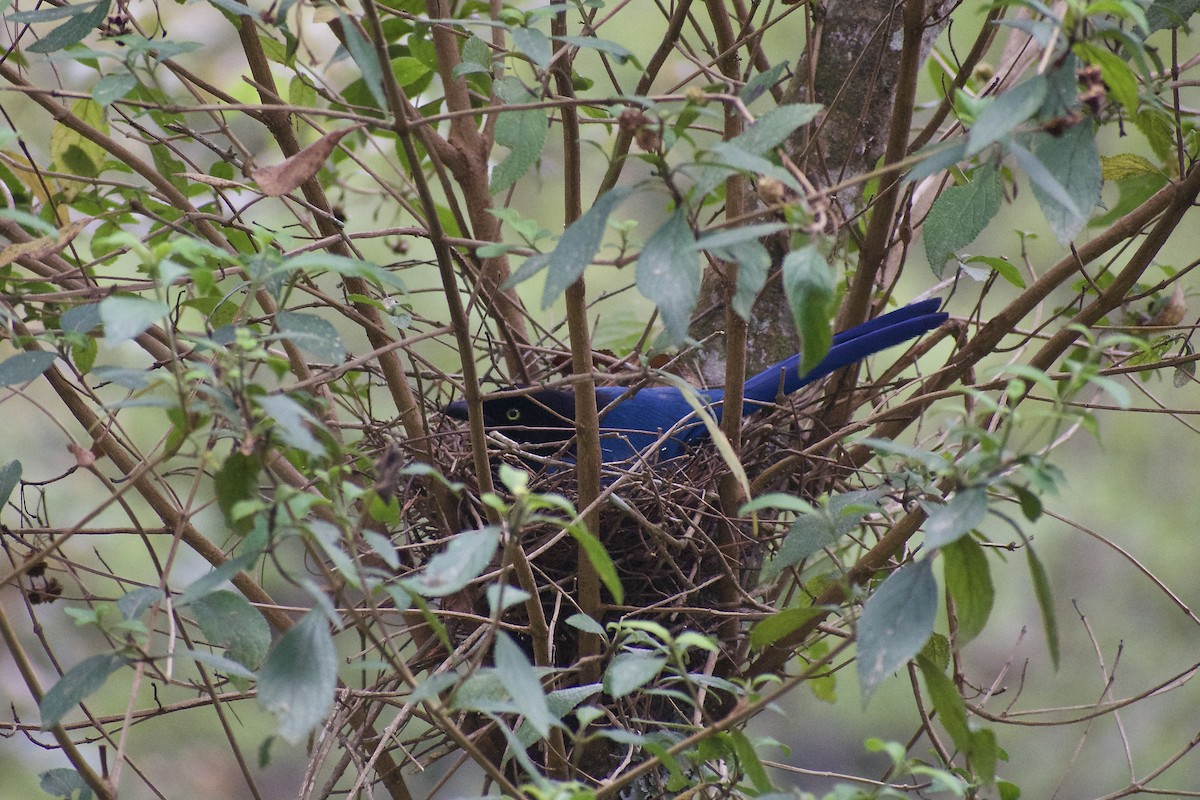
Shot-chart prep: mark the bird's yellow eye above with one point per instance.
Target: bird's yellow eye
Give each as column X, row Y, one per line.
column 513, row 414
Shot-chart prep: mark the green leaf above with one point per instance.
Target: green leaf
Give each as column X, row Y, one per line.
column 979, row 746
column 761, row 83
column 113, row 87
column 820, row 528
column 126, row 317
column 206, row 584
column 520, row 680
column 1170, row 13
column 87, row 18
column 310, row 263
column 600, row 560
column 83, row 318
column 522, row 132
column 896, row 622
column 964, row 513
column 775, row 626
column 1073, row 161
column 937, row 157
column 364, row 57
column 533, row 44
column 64, row 783
column 631, row 670
column 1047, row 185
column 1002, row 267
column 619, row 52
column 770, row 130
column 1133, row 191
column 952, row 712
column 725, row 239
column 72, row 688
column 1041, row 588
column 134, row 602
column 501, row 597
column 291, row 421
column 312, row 334
column 808, row 284
column 24, row 367
column 969, row 583
column 476, row 58
column 465, row 558
column 578, row 245
column 227, row 666
column 10, row 476
column 960, row 214
column 729, row 155
column 237, row 480
column 1004, row 113
column 1116, row 74
column 749, row 762
column 668, row 273
column 780, row 500
column 754, row 264
column 408, row 70
column 297, row 681
column 227, row 620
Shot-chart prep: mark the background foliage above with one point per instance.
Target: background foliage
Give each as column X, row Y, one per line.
column 252, row 250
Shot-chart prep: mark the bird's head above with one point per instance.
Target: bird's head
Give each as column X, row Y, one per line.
column 540, row 416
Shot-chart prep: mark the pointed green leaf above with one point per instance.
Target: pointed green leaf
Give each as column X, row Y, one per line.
column 969, row 582
column 772, row 128
column 578, row 245
column 754, row 264
column 600, row 560
column 1045, row 598
column 1004, row 113
column 668, row 273
column 126, row 317
column 521, row 682
column 964, row 513
column 533, row 44
column 228, row 620
column 960, row 214
column 64, row 783
column 312, row 334
column 808, row 284
column 896, row 622
column 112, row 88
column 297, row 681
column 364, row 57
column 630, row 671
column 522, row 132
column 1074, row 162
column 464, row 559
column 1045, row 183
column 290, row 422
column 87, row 17
column 80, row 681
column 24, row 367
column 10, row 476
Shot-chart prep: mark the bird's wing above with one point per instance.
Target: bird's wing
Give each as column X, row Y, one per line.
column 849, row 346
column 632, row 423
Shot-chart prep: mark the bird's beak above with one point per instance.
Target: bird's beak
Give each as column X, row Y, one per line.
column 457, row 409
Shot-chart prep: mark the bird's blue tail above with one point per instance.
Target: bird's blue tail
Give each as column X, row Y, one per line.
column 848, row 347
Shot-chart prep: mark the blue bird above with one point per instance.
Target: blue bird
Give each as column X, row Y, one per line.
column 631, row 422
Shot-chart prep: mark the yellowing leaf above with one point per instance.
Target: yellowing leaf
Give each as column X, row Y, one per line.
column 42, row 246
column 75, row 154
column 1126, row 165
